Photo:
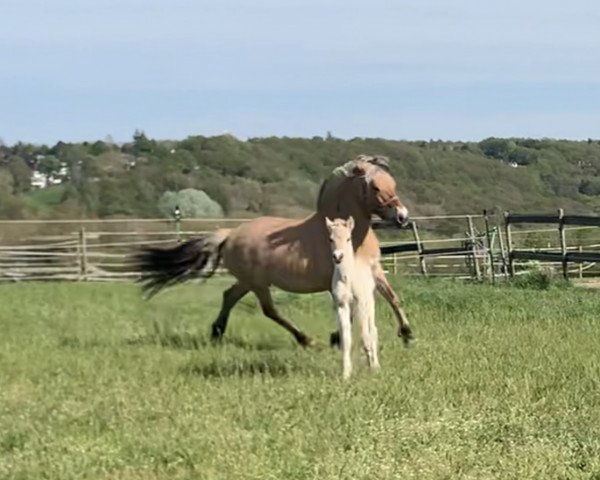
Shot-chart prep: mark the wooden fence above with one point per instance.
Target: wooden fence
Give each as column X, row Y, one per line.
column 88, row 250
column 563, row 255
column 98, row 250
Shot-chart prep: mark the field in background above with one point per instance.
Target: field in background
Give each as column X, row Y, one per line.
column 503, row 382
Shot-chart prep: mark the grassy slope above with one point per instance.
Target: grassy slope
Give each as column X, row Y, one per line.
column 47, row 197
column 503, row 383
column 282, row 176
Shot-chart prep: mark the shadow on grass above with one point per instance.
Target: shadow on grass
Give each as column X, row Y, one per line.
column 194, row 341
column 270, row 366
column 77, row 342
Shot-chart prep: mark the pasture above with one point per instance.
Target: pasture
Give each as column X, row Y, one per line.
column 502, row 382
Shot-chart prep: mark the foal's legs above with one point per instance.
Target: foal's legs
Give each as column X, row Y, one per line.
column 342, row 310
column 365, row 312
column 266, row 303
column 384, row 288
column 230, row 297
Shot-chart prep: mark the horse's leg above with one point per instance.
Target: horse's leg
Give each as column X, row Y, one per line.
column 268, row 308
column 384, row 288
column 345, row 329
column 230, row 297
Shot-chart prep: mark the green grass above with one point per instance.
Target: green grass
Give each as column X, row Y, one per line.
column 46, row 197
column 95, row 383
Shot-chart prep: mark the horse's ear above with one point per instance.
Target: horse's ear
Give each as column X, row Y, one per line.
column 329, row 223
column 350, row 223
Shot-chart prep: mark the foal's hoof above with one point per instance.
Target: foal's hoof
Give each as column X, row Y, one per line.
column 406, row 334
column 334, row 339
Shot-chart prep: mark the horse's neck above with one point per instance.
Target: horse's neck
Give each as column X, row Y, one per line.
column 344, row 271
column 344, row 205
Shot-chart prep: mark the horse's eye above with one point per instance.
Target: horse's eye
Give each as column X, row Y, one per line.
column 376, row 189
column 349, row 239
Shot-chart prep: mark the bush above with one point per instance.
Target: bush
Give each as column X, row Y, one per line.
column 590, row 187
column 191, row 202
column 536, row 277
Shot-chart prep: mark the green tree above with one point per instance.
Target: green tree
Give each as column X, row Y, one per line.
column 98, row 148
column 499, row 148
column 21, row 174
column 522, row 156
column 7, row 182
column 142, row 144
column 49, row 165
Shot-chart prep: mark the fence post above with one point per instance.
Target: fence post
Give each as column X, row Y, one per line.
column 563, row 242
column 511, row 264
column 490, row 246
column 419, row 249
column 476, row 270
column 82, row 254
column 580, row 249
column 503, row 254
column 177, row 219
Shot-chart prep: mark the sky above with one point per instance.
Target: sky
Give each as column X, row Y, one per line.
column 415, row 70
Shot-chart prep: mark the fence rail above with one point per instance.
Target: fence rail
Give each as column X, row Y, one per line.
column 92, row 250
column 563, row 255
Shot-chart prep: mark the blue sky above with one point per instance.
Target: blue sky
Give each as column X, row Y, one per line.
column 460, row 69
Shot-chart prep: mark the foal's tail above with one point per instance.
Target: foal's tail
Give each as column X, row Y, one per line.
column 163, row 267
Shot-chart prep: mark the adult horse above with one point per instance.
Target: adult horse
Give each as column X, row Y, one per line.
column 293, row 255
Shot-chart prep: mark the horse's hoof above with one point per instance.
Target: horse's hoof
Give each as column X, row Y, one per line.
column 309, row 342
column 216, row 335
column 334, row 339
column 406, row 334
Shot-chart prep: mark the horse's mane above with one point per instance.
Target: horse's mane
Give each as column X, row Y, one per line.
column 376, row 163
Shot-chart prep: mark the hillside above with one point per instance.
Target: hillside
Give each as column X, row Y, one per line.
column 282, row 175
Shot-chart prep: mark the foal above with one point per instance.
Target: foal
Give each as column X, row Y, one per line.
column 352, row 289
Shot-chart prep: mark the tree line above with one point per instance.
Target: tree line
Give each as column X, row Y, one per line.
column 281, row 176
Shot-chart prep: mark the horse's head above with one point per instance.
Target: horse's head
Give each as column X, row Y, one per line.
column 364, row 184
column 379, row 190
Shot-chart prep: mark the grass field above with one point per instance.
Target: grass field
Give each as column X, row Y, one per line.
column 95, row 383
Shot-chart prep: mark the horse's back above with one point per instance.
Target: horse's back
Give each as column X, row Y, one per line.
column 283, row 252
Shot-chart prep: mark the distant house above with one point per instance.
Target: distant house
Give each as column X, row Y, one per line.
column 39, row 180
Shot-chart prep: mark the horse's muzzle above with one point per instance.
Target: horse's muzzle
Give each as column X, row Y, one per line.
column 337, row 257
column 402, row 217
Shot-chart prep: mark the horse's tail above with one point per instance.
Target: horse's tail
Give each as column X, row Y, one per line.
column 163, row 267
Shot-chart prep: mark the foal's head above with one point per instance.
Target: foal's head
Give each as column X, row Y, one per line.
column 340, row 237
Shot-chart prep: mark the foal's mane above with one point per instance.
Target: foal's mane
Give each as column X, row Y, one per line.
column 376, row 163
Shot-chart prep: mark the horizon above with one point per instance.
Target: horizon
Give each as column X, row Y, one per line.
column 401, row 70
column 323, row 137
